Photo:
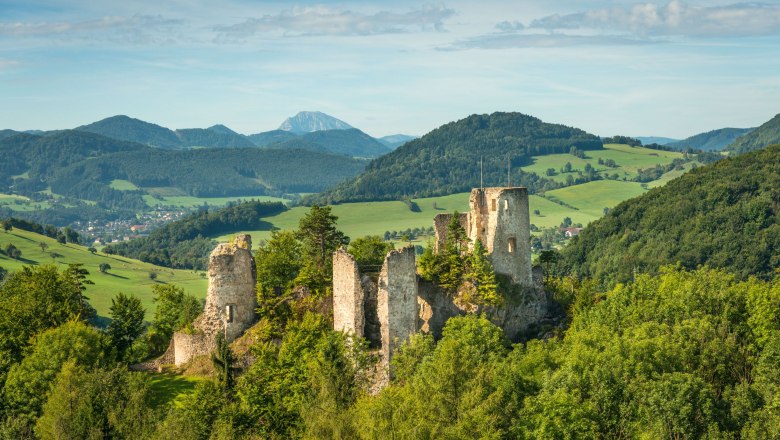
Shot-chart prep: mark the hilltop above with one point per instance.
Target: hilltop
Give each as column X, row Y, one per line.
column 129, row 129
column 767, row 134
column 715, row 140
column 723, row 215
column 447, row 160
column 306, row 122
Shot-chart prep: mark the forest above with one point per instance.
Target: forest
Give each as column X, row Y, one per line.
column 678, row 354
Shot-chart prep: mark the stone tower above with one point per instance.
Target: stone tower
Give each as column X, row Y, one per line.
column 397, row 299
column 230, row 302
column 500, row 219
column 348, row 294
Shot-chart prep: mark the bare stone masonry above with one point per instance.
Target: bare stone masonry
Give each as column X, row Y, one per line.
column 397, row 299
column 348, row 295
column 230, row 301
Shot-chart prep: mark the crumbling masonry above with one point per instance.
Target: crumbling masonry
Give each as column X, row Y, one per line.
column 230, row 303
column 388, row 308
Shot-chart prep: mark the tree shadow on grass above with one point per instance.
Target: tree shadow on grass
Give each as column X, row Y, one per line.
column 115, row 275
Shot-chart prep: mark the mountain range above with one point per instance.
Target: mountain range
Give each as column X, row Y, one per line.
column 314, row 131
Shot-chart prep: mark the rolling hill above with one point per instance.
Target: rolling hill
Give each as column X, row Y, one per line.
column 723, row 215
column 767, row 134
column 447, row 160
column 348, row 142
column 715, row 140
column 126, row 275
column 217, row 136
column 129, row 129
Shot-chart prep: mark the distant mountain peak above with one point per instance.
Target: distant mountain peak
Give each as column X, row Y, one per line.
column 219, row 128
column 307, row 122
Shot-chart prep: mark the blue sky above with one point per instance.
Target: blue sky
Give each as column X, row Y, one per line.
column 610, row 67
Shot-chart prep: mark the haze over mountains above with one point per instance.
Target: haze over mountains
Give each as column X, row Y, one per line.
column 314, row 131
column 714, row 140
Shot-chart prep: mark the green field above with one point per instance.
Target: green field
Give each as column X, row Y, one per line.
column 374, row 218
column 629, row 160
column 123, row 185
column 126, row 275
column 21, row 203
column 189, row 202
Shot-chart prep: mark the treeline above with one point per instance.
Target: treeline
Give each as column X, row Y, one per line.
column 447, row 160
column 62, row 235
column 184, row 244
column 724, row 215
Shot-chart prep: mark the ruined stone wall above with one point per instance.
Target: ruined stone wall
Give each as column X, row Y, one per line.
column 348, row 296
column 188, row 346
column 500, row 219
column 397, row 299
column 436, row 306
column 440, row 223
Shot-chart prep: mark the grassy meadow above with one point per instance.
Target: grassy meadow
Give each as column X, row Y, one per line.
column 629, row 161
column 126, row 275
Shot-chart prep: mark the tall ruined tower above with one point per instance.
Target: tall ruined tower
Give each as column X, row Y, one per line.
column 230, row 302
column 499, row 218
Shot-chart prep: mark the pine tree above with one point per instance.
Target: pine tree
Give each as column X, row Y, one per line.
column 481, row 274
column 223, row 358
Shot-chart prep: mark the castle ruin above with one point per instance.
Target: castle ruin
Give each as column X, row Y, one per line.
column 230, row 303
column 500, row 219
column 387, row 309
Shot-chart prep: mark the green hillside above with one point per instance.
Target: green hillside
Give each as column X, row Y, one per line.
column 724, row 215
column 447, row 160
column 126, row 275
column 715, row 140
column 767, row 134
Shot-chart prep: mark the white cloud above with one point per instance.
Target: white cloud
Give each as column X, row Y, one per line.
column 673, row 19
column 7, row 64
column 513, row 40
column 323, row 20
column 137, row 29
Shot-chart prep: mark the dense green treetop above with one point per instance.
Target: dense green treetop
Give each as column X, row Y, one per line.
column 722, row 215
